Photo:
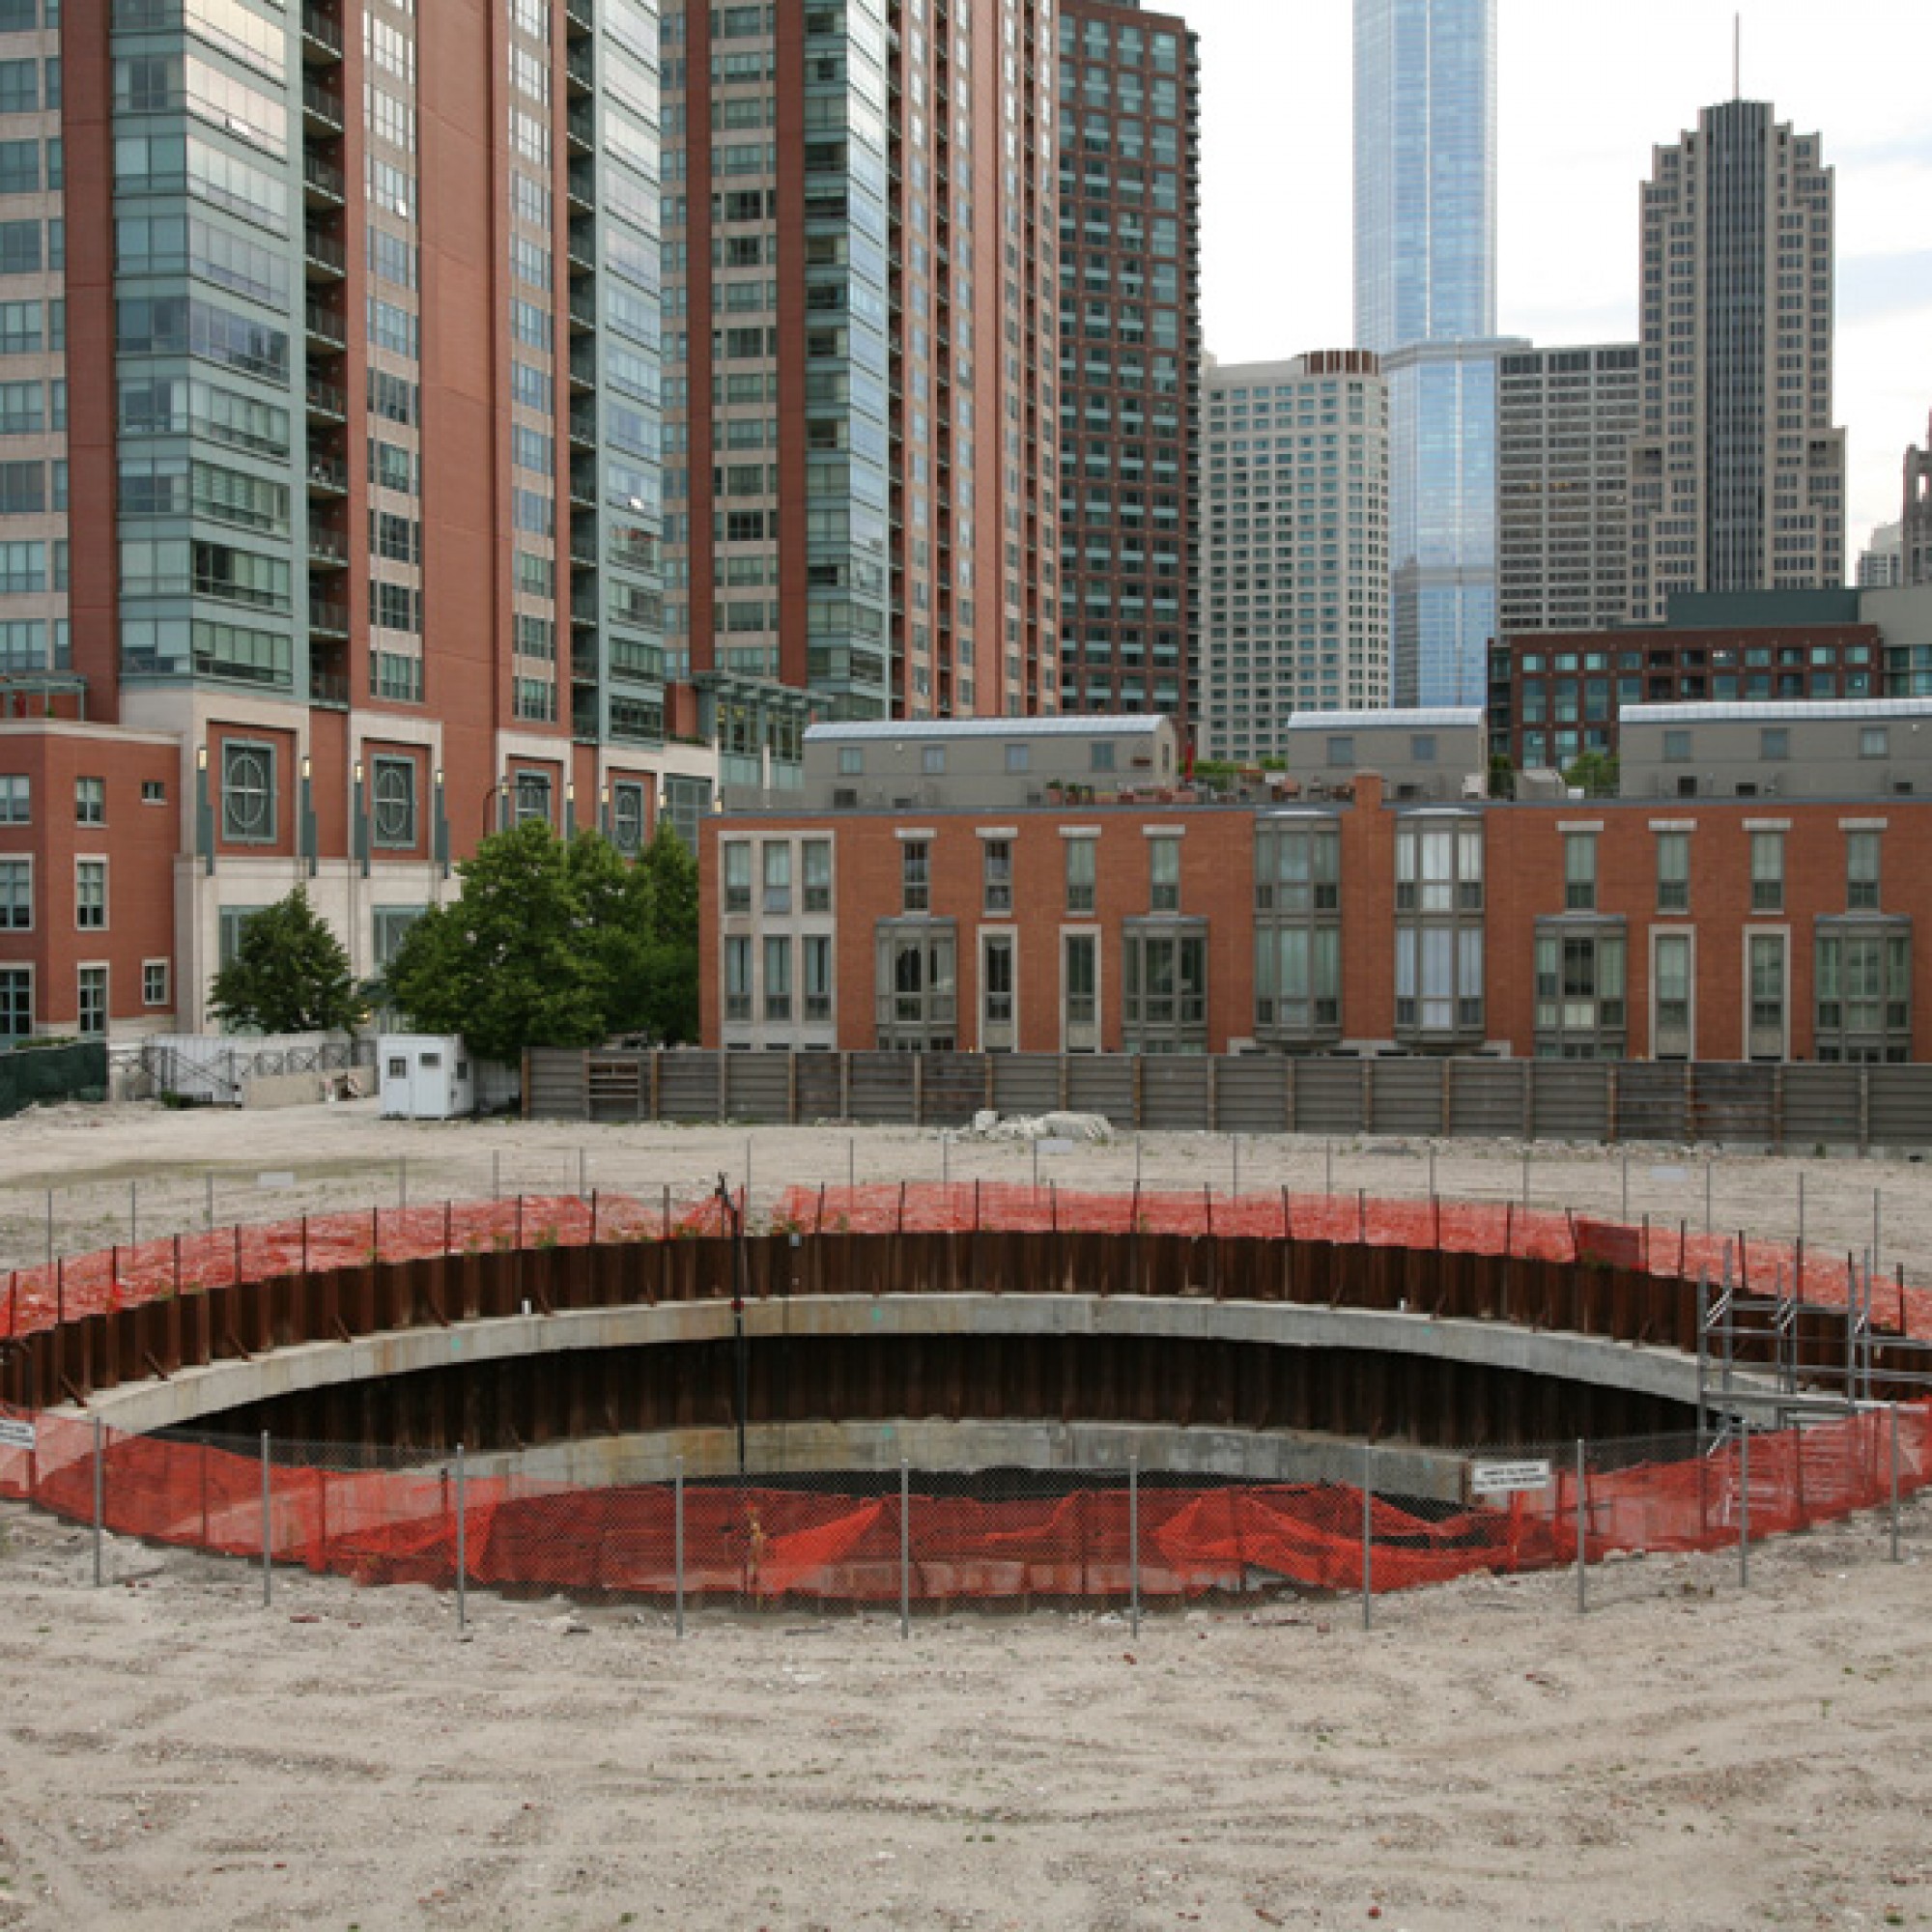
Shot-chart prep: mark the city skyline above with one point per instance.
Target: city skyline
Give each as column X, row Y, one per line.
column 1572, row 160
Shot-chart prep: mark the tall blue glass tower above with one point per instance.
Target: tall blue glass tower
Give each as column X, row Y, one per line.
column 1426, row 302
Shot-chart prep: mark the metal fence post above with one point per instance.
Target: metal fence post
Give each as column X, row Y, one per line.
column 1894, row 1482
column 1582, row 1534
column 1367, row 1534
column 1744, row 1506
column 461, row 1545
column 268, row 1532
column 1134, row 1522
column 905, row 1548
column 677, row 1539
column 99, row 1500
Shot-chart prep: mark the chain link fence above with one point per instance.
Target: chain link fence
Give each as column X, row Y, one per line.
column 906, row 1544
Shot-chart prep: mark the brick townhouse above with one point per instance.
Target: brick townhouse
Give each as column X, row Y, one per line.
column 979, row 894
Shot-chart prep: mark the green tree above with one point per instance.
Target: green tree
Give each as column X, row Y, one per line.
column 665, row 880
column 289, row 973
column 1594, row 774
column 556, row 945
column 1503, row 775
column 507, row 965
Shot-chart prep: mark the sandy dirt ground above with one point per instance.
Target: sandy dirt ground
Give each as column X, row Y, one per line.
column 1690, row 1756
column 107, row 1173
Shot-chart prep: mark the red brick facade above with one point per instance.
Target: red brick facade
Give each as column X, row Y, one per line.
column 1526, row 889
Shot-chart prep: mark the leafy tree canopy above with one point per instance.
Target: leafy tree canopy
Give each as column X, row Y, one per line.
column 289, row 973
column 552, row 944
column 1593, row 773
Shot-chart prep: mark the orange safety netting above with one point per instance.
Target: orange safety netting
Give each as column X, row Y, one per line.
column 1461, row 1227
column 766, row 1544
column 112, row 1278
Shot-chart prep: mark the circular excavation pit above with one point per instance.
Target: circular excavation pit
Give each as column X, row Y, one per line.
column 1207, row 1394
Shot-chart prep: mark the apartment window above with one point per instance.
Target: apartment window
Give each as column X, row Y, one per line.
column 1579, row 993
column 1438, row 979
column 154, row 983
column 16, row 1002
column 93, row 1002
column 1164, row 990
column 737, row 979
column 996, row 868
column 1080, row 980
column 1080, row 874
column 627, row 817
column 1342, row 751
column 1864, row 991
column 16, row 895
column 1438, row 939
column 1774, row 744
column 1673, row 872
column 1163, row 874
column 778, row 979
column 1103, row 754
column 816, row 965
column 851, row 761
column 1874, row 742
column 737, row 875
column 1861, row 871
column 1670, row 996
column 914, row 875
column 1580, row 871
column 817, row 853
column 532, row 797
column 90, row 895
column 916, row 987
column 1767, row 871
column 1019, row 758
column 996, row 991
column 16, row 798
column 247, row 792
column 1764, row 971
column 1422, row 749
column 1677, row 747
column 777, row 861
column 1438, row 867
column 154, row 791
column 1298, row 870
column 388, row 927
column 394, row 812
column 932, row 761
column 1297, row 980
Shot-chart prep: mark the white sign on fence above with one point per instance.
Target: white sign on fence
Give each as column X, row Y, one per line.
column 16, row 1434
column 1503, row 1479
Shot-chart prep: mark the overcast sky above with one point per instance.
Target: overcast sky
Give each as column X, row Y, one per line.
column 1587, row 88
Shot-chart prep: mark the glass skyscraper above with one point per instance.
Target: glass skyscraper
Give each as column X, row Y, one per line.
column 1426, row 302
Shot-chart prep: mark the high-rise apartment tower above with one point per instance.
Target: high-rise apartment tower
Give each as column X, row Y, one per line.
column 862, row 333
column 1564, row 420
column 1737, row 475
column 1130, row 359
column 1297, row 552
column 333, row 512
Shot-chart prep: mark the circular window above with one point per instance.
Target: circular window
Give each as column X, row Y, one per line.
column 396, row 803
column 248, row 791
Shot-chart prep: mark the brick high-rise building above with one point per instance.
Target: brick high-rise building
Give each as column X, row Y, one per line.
column 1130, row 359
column 350, row 377
column 861, row 316
column 1737, row 475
